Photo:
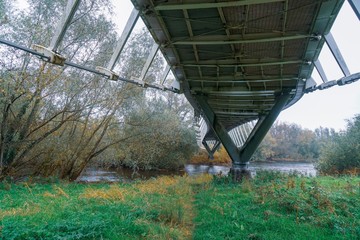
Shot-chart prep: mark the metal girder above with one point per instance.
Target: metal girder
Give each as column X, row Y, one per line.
column 233, row 60
column 355, row 4
column 239, row 105
column 71, row 7
column 149, row 60
column 242, row 157
column 212, row 150
column 242, row 81
column 321, row 71
column 171, row 6
column 240, row 94
column 165, row 74
column 261, row 128
column 232, row 90
column 337, row 54
column 219, row 129
column 130, row 24
column 245, row 78
column 208, row 40
column 228, row 113
column 242, row 64
column 240, row 102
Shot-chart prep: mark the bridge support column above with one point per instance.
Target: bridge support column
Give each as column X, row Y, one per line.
column 212, row 150
column 240, row 171
column 240, row 158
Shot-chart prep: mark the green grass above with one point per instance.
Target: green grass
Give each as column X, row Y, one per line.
column 270, row 206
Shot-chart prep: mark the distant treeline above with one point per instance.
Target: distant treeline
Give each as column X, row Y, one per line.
column 289, row 141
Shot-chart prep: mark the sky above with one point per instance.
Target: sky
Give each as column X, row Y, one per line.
column 327, row 108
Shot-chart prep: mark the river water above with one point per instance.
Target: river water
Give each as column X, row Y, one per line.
column 102, row 175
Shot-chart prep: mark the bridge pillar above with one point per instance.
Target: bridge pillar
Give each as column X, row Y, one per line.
column 212, row 150
column 240, row 171
column 241, row 157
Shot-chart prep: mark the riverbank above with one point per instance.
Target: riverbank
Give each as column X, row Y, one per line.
column 270, row 206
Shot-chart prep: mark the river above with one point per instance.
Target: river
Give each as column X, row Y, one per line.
column 124, row 174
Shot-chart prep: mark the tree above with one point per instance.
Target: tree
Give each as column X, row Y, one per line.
column 342, row 154
column 159, row 139
column 53, row 119
column 287, row 141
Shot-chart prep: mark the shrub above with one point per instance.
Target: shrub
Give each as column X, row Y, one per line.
column 342, row 155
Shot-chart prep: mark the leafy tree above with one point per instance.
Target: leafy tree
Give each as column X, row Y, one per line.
column 53, row 119
column 342, row 154
column 287, row 141
column 160, row 140
column 266, row 149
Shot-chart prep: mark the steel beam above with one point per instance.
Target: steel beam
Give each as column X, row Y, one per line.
column 212, row 150
column 219, row 129
column 246, row 78
column 243, row 64
column 149, row 60
column 242, row 90
column 170, row 6
column 355, row 4
column 261, row 128
column 321, row 71
column 165, row 74
column 130, row 24
column 337, row 54
column 239, row 41
column 68, row 15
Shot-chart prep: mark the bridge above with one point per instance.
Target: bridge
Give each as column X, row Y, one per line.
column 238, row 62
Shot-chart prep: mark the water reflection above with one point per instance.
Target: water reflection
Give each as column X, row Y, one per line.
column 100, row 175
column 191, row 169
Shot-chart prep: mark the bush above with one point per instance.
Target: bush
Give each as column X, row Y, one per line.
column 342, row 154
column 161, row 140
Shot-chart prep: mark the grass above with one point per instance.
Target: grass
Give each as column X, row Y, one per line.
column 270, row 206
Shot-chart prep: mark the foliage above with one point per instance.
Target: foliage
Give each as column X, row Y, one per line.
column 291, row 142
column 271, row 206
column 160, row 139
column 55, row 120
column 342, row 154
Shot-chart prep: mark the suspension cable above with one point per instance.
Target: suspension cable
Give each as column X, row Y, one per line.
column 85, row 68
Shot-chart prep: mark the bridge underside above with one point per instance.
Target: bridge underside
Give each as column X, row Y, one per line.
column 240, row 61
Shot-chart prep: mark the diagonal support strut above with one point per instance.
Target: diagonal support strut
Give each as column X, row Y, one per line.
column 240, row 158
column 212, row 150
column 69, row 13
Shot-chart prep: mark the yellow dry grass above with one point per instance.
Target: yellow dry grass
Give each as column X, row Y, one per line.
column 114, row 193
column 159, row 185
column 24, row 211
column 200, row 179
column 58, row 192
column 176, row 208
